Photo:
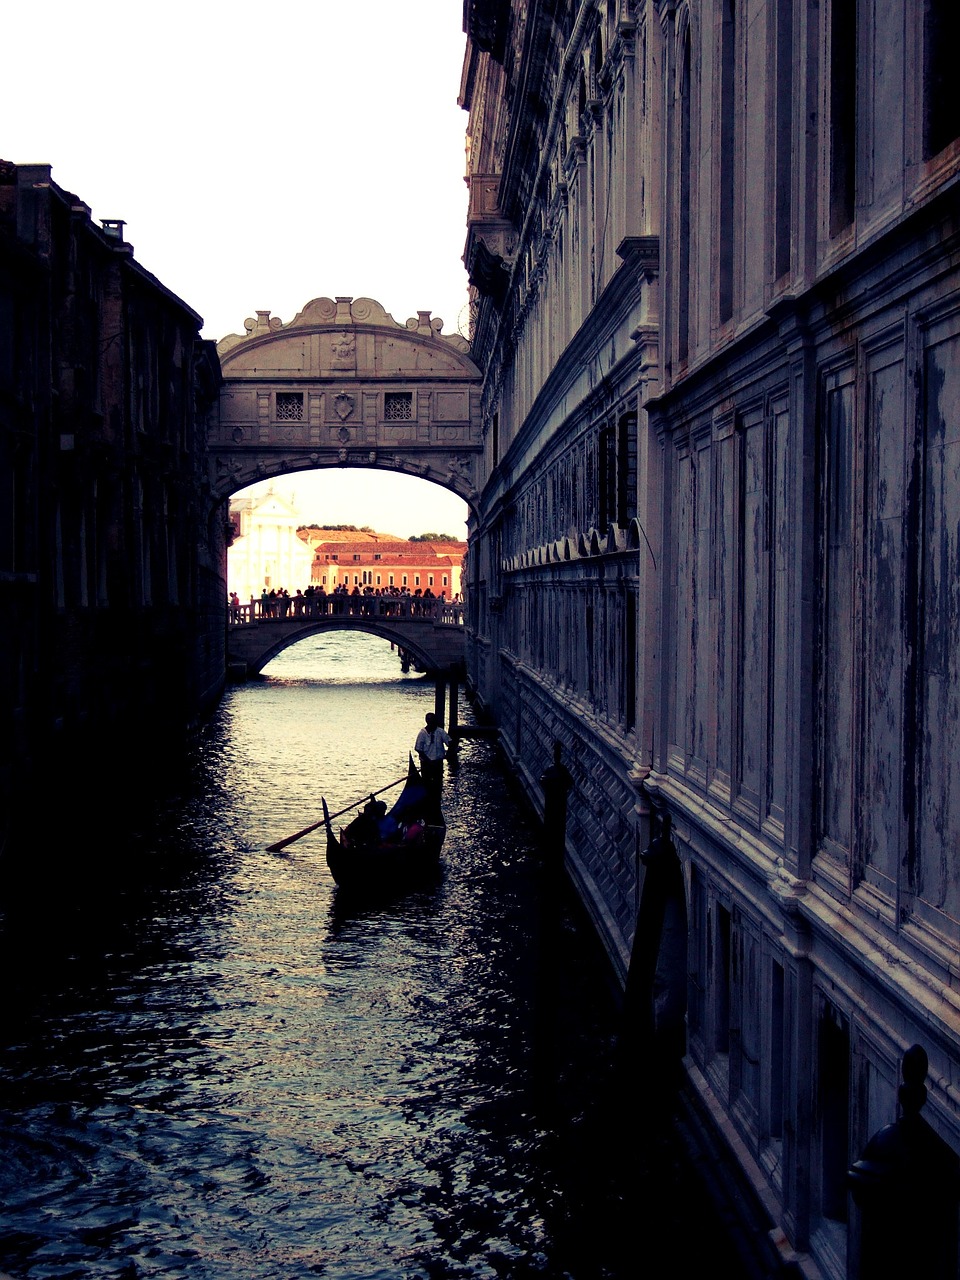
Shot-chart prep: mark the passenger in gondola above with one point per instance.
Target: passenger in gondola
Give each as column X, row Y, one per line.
column 364, row 830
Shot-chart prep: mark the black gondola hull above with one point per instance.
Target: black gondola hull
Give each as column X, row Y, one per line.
column 405, row 861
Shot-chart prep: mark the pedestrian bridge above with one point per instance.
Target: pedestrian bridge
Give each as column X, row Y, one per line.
column 429, row 635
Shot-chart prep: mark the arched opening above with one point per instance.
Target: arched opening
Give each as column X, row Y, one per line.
column 372, row 533
column 656, row 991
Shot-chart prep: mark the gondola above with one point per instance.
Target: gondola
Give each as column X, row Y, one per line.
column 389, row 850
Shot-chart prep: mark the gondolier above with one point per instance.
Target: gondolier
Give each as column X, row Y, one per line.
column 431, row 746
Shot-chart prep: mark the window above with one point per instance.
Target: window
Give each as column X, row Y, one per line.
column 941, row 102
column 398, row 406
column 783, row 124
column 617, row 471
column 833, row 1090
column 728, row 29
column 839, row 575
column 289, row 406
column 683, row 199
column 843, row 113
column 722, row 980
column 775, row 1123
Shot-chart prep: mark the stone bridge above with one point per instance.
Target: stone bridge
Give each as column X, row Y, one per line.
column 433, row 643
column 344, row 385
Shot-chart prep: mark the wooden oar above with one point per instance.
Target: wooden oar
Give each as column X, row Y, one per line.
column 282, row 844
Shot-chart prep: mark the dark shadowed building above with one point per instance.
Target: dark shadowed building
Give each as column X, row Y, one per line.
column 111, row 569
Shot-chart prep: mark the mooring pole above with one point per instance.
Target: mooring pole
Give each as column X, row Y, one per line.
column 453, row 727
column 906, row 1186
column 556, row 782
column 440, row 696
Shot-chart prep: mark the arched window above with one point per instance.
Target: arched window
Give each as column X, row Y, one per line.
column 843, row 112
column 783, row 141
column 727, row 140
column 683, row 199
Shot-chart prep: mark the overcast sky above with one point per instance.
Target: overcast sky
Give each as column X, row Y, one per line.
column 262, row 156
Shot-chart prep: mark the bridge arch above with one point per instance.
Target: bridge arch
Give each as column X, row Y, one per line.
column 344, row 385
column 433, row 646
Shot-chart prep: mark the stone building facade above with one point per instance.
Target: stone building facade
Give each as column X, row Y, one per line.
column 111, row 558
column 714, row 252
column 382, row 563
column 266, row 551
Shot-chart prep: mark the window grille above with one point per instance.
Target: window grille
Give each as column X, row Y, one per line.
column 397, row 405
column 289, row 406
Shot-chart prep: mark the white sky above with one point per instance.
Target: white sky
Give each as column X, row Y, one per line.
column 262, row 156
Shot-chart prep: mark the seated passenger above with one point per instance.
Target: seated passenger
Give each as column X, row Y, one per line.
column 364, row 829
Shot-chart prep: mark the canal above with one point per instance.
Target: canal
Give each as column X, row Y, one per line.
column 213, row 1068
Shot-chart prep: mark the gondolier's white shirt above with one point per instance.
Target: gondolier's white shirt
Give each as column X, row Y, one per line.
column 432, row 745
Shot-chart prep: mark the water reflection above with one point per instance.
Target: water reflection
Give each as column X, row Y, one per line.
column 213, row 1065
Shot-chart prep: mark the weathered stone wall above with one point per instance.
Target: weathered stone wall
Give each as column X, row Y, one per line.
column 714, row 254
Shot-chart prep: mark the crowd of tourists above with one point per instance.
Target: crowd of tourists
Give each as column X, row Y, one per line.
column 315, row 602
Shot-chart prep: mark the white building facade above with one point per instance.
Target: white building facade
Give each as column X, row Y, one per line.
column 715, row 255
column 267, row 553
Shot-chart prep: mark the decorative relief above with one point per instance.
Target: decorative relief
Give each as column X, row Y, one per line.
column 343, row 405
column 450, row 406
column 343, row 435
column 344, row 348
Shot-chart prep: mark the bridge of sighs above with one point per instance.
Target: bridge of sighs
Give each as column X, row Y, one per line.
column 344, row 385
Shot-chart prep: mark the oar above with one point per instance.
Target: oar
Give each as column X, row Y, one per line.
column 282, row 844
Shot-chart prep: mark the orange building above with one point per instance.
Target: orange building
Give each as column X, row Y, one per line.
column 353, row 558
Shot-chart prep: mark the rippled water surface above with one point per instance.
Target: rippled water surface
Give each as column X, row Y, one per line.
column 211, row 1067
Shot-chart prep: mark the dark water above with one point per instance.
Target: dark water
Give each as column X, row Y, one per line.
column 211, row 1067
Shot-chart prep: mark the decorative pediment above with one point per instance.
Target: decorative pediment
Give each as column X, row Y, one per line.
column 337, row 337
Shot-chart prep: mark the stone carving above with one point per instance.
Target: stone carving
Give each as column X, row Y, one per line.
column 344, row 348
column 343, row 405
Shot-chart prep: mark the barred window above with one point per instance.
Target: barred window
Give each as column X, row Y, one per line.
column 289, row 406
column 397, row 405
